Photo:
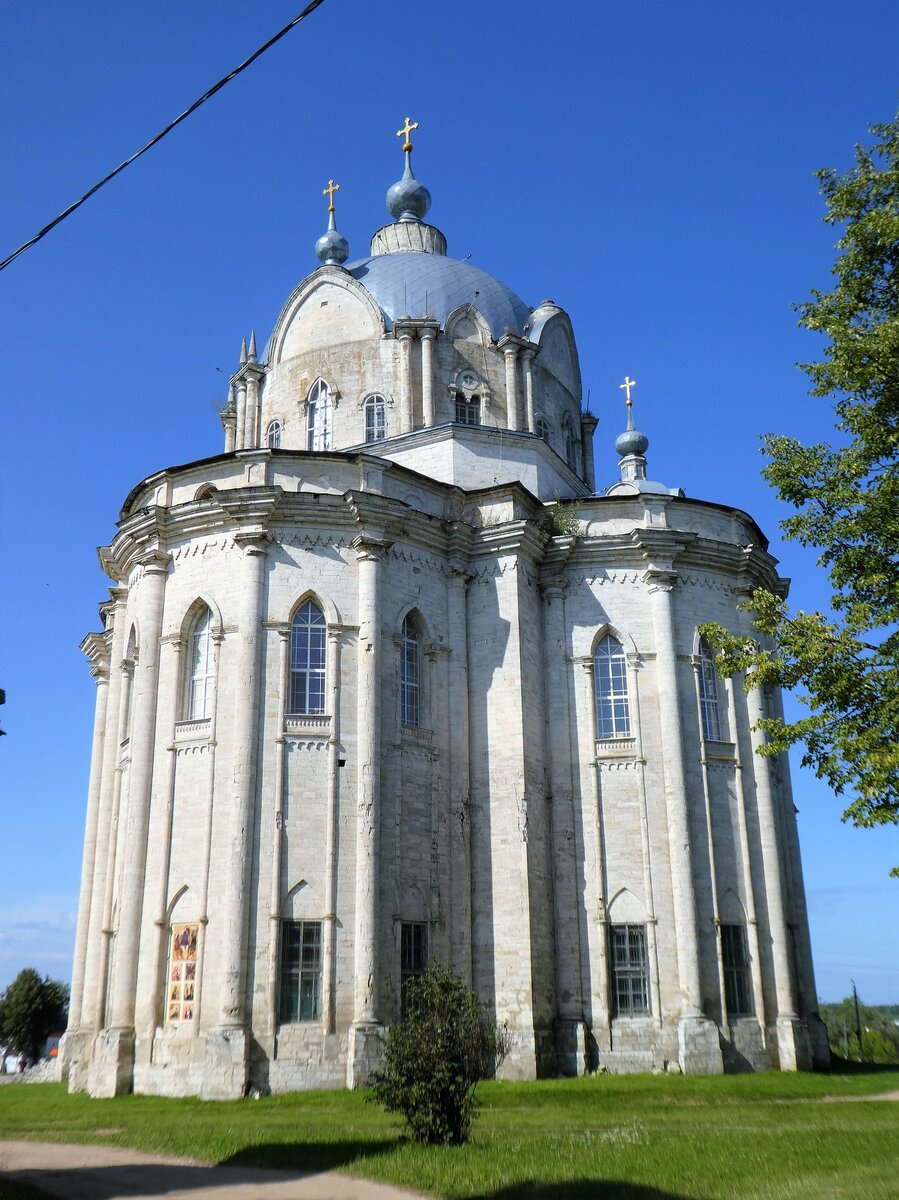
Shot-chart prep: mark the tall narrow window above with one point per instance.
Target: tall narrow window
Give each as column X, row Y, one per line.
column 181, row 977
column 375, row 418
column 613, row 718
column 630, row 993
column 468, row 409
column 301, row 971
column 307, row 661
column 735, row 960
column 413, row 955
column 570, row 445
column 319, row 409
column 273, row 435
column 708, row 695
column 542, row 429
column 201, row 663
column 410, row 675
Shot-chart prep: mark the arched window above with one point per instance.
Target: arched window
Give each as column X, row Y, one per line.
column 410, row 675
column 613, row 718
column 273, row 435
column 307, row 661
column 709, row 709
column 319, row 409
column 375, row 409
column 542, row 429
column 200, row 668
column 468, row 409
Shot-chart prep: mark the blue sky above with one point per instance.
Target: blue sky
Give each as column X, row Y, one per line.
column 648, row 167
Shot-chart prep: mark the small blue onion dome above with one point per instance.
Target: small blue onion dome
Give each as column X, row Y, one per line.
column 631, row 442
column 332, row 248
column 408, row 199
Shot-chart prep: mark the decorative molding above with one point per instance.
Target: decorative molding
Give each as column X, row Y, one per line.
column 190, row 731
column 314, row 725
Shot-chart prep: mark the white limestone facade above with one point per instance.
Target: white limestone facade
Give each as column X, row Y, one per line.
column 369, row 695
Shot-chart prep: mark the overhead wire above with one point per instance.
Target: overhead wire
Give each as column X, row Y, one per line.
column 207, row 95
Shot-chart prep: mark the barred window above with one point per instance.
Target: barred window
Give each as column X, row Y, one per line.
column 201, row 668
column 542, row 429
column 737, row 981
column 375, row 409
column 307, row 661
column 630, row 993
column 708, row 695
column 413, row 955
column 410, row 675
column 301, row 971
column 319, row 410
column 613, row 719
column 468, row 409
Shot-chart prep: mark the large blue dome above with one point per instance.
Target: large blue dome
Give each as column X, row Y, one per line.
column 418, row 284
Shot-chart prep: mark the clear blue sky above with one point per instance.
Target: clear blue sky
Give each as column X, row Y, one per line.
column 648, row 166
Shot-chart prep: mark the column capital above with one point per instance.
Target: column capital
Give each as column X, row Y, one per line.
column 369, row 548
column 428, row 330
column 529, row 351
column 155, row 561
column 252, row 541
column 404, row 329
column 510, row 344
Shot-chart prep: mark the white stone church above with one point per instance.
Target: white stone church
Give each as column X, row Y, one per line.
column 395, row 679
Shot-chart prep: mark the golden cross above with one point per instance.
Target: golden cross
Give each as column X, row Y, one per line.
column 329, row 192
column 405, row 131
column 626, row 387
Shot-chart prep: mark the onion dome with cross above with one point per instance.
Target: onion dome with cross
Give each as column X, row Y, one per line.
column 332, row 248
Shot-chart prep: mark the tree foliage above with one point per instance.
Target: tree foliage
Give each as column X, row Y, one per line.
column 845, row 666
column 880, row 1032
column 435, row 1056
column 31, row 1009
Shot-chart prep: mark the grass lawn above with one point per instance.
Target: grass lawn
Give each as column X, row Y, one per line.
column 752, row 1137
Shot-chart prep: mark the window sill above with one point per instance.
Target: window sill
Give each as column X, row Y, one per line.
column 417, row 734
column 193, row 731
column 716, row 751
column 312, row 725
column 623, row 747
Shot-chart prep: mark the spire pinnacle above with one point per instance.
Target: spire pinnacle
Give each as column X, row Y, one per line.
column 243, row 351
column 332, row 248
column 252, row 350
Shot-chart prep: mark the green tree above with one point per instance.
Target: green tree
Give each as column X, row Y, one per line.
column 435, row 1056
column 31, row 1008
column 845, row 666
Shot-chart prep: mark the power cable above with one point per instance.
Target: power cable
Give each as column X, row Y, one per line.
column 310, row 8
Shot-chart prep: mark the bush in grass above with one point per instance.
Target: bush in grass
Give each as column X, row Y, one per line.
column 435, row 1056
column 31, row 1008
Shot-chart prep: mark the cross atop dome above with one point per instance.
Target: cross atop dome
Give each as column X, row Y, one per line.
column 332, row 248
column 408, row 199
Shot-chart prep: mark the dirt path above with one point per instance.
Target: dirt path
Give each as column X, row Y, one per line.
column 116, row 1173
column 879, row 1096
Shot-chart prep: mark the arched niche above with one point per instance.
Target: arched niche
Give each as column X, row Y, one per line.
column 626, row 909
column 328, row 309
column 558, row 352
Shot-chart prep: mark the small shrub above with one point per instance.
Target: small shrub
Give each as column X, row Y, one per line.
column 564, row 518
column 435, row 1056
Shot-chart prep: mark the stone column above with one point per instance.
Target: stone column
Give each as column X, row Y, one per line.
column 699, row 1051
column 792, row 1039
column 527, row 362
column 404, row 335
column 89, row 861
column 513, row 407
column 229, row 423
column 329, row 948
column 363, row 1034
column 588, row 428
column 571, row 1032
column 459, row 780
column 240, row 435
column 251, row 428
column 117, row 1059
column 427, row 335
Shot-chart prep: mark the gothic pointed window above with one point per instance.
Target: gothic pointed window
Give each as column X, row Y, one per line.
column 709, row 709
column 200, row 667
column 273, row 435
column 307, row 661
column 319, row 413
column 410, row 675
column 613, row 718
column 375, row 408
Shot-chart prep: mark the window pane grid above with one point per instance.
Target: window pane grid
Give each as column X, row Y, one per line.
column 413, row 955
column 410, row 664
column 301, row 971
column 468, row 411
column 735, row 960
column 612, row 702
column 307, row 661
column 375, row 419
column 319, row 409
column 202, row 669
column 708, row 695
column 630, row 991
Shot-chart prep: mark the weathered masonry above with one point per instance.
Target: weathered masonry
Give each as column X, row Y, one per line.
column 369, row 693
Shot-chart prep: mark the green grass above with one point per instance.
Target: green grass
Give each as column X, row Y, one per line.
column 749, row 1137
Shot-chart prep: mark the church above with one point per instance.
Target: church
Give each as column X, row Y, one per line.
column 395, row 679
